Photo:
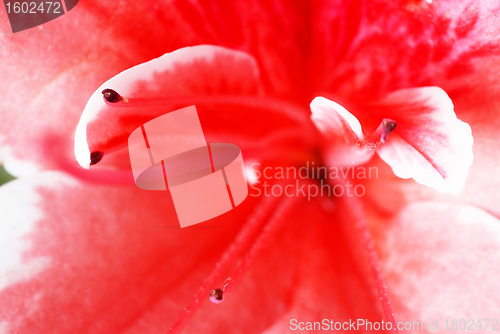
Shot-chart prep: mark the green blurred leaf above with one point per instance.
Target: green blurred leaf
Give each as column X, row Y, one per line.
column 4, row 176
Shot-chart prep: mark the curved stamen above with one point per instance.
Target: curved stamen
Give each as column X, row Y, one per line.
column 278, row 106
column 274, row 224
column 247, row 232
column 356, row 212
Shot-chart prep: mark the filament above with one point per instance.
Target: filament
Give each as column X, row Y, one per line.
column 274, row 224
column 277, row 106
column 355, row 209
column 247, row 232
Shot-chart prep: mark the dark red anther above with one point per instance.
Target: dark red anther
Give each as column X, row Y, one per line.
column 112, row 96
column 388, row 126
column 216, row 294
column 95, row 157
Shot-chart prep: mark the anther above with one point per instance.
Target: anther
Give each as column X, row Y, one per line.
column 216, row 296
column 112, row 96
column 388, row 125
column 276, row 221
column 95, row 157
column 245, row 235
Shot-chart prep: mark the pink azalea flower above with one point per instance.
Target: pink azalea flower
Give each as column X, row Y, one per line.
column 392, row 85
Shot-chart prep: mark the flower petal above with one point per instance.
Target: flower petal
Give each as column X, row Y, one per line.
column 440, row 261
column 112, row 259
column 342, row 131
column 333, row 278
column 224, row 84
column 334, row 120
column 87, row 258
column 187, row 72
column 370, row 48
column 80, row 50
column 74, row 54
column 430, row 144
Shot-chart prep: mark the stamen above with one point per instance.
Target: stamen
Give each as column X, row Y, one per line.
column 381, row 134
column 278, row 106
column 95, row 157
column 247, row 232
column 355, row 209
column 112, row 96
column 263, row 240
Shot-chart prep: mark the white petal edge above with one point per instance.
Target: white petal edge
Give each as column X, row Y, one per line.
column 400, row 155
column 440, row 261
column 14, row 166
column 19, row 207
column 323, row 117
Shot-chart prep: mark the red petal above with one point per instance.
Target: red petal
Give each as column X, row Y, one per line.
column 95, row 258
column 108, row 259
column 80, row 50
column 74, row 54
column 375, row 47
column 430, row 144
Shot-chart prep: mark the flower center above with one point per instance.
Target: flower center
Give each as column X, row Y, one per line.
column 275, row 206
